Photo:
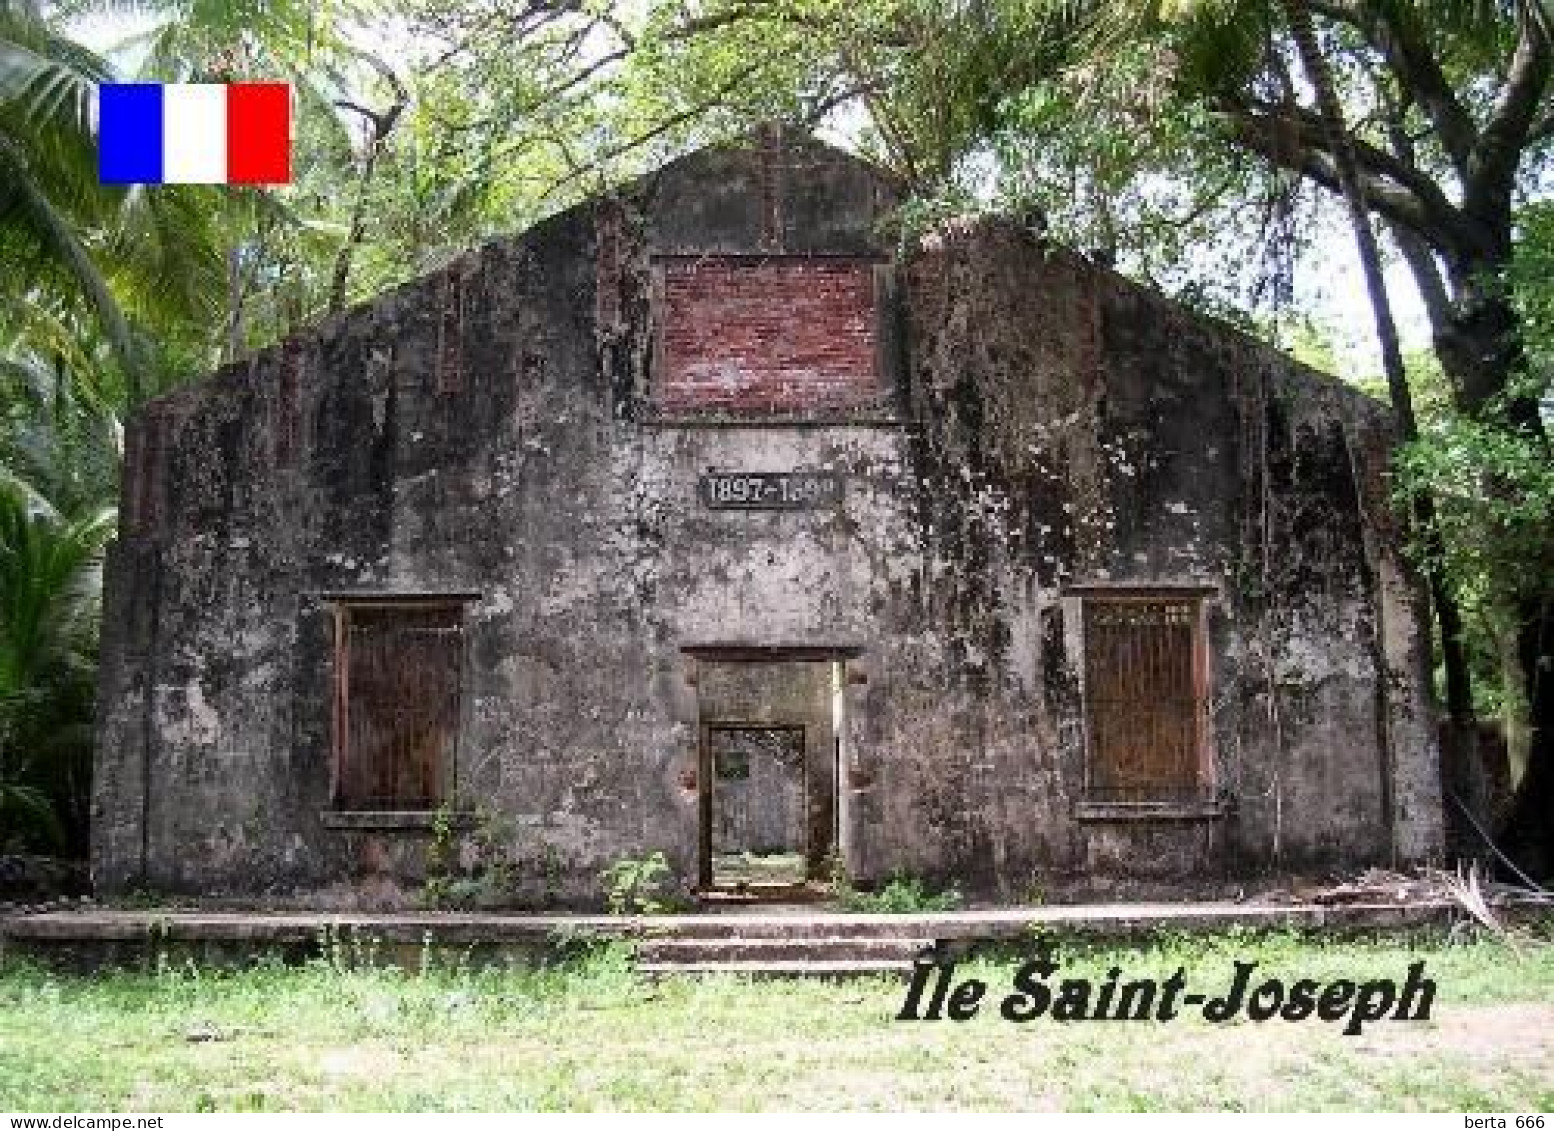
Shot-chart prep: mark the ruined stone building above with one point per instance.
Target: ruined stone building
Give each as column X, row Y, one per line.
column 700, row 519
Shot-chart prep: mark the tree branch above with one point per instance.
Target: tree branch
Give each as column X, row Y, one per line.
column 1427, row 276
column 1417, row 70
column 1293, row 137
column 663, row 126
column 1493, row 167
column 508, row 27
column 1397, row 206
column 542, row 98
column 1542, row 129
column 382, row 125
column 1418, row 254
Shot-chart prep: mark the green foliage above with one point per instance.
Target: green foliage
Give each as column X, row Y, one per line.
column 1112, row 126
column 930, row 77
column 900, row 895
column 441, row 854
column 110, row 260
column 28, row 816
column 640, row 886
column 481, row 872
column 1495, row 487
column 1120, row 165
column 1531, row 281
column 50, row 203
column 1494, row 493
column 50, row 565
column 590, row 1034
column 59, row 473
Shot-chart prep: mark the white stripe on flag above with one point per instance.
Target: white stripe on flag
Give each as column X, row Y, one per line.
column 194, row 134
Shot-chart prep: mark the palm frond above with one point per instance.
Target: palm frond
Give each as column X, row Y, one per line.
column 47, row 81
column 24, row 206
column 25, row 805
column 165, row 251
column 1220, row 44
column 61, row 355
column 49, row 582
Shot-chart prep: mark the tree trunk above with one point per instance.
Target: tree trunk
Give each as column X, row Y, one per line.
column 1477, row 341
column 1528, row 838
column 379, row 126
column 1460, row 750
column 339, row 287
column 1480, row 345
column 1459, row 691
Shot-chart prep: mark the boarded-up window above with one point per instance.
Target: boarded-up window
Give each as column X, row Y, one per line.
column 1145, row 698
column 397, row 676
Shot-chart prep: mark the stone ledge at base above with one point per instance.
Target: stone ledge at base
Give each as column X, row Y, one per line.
column 1151, row 810
column 86, row 940
column 400, row 820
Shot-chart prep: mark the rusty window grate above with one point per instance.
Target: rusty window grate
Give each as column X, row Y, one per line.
column 1145, row 699
column 398, row 669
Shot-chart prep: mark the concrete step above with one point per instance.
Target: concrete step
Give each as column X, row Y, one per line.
column 756, row 895
column 694, row 951
column 758, row 925
column 106, row 936
column 854, row 968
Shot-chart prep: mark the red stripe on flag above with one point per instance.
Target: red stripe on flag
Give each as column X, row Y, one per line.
column 259, row 133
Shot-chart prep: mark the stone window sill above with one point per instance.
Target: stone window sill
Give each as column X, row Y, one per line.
column 389, row 820
column 1203, row 810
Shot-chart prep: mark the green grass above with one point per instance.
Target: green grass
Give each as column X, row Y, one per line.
column 592, row 1035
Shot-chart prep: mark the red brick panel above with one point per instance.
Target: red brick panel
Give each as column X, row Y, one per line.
column 767, row 335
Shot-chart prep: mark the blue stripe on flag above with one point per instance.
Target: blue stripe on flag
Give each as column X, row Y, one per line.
column 129, row 133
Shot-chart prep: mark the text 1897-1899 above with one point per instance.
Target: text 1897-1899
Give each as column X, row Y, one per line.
column 770, row 490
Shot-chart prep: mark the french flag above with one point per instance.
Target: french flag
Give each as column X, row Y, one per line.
column 194, row 133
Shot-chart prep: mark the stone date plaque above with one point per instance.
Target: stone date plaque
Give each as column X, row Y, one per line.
column 770, row 490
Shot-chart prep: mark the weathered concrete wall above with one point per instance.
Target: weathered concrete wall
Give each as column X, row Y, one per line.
column 491, row 430
column 1077, row 430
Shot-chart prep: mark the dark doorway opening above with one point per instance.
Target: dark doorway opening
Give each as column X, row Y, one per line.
column 758, row 779
column 768, row 772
